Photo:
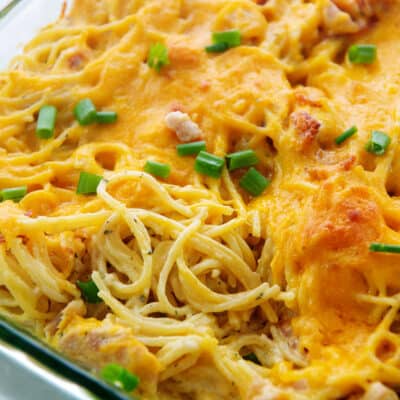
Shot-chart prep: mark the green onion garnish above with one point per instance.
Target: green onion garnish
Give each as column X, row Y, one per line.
column 384, row 248
column 190, row 149
column 89, row 291
column 15, row 194
column 120, row 377
column 252, row 357
column 158, row 56
column 232, row 37
column 46, row 122
column 209, row 164
column 378, row 143
column 158, row 169
column 362, row 53
column 106, row 117
column 224, row 40
column 346, row 134
column 85, row 112
column 241, row 159
column 253, row 182
column 88, row 183
column 217, row 48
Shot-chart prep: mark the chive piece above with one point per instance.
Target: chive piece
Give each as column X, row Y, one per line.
column 46, row 122
column 252, row 357
column 346, row 135
column 190, row 149
column 241, row 159
column 209, row 164
column 253, row 182
column 224, row 40
column 158, row 169
column 88, row 183
column 362, row 53
column 158, row 56
column 232, row 37
column 384, row 248
column 120, row 377
column 89, row 291
column 15, row 194
column 85, row 112
column 217, row 48
column 378, row 143
column 106, row 117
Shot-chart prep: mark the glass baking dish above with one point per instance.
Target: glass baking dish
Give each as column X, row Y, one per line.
column 20, row 20
column 29, row 369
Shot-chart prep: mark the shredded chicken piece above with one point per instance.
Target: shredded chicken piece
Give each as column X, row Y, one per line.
column 265, row 390
column 338, row 22
column 183, row 126
column 351, row 16
column 358, row 8
column 378, row 391
column 97, row 343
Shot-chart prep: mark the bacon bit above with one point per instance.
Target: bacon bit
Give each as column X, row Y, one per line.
column 28, row 213
column 176, row 106
column 317, row 174
column 24, row 239
column 205, row 85
column 76, row 60
column 306, row 126
column 354, row 215
column 303, row 100
column 182, row 54
column 348, row 163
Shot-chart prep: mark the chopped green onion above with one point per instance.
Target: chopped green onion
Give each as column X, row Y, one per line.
column 362, row 53
column 209, row 164
column 241, row 159
column 217, row 48
column 190, row 149
column 232, row 37
column 120, row 377
column 88, row 183
column 346, row 134
column 224, row 40
column 253, row 182
column 106, row 117
column 89, row 291
column 252, row 357
column 158, row 56
column 158, row 169
column 378, row 143
column 85, row 112
column 46, row 122
column 384, row 248
column 15, row 194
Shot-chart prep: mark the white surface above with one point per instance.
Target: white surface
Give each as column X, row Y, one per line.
column 4, row 3
column 22, row 23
